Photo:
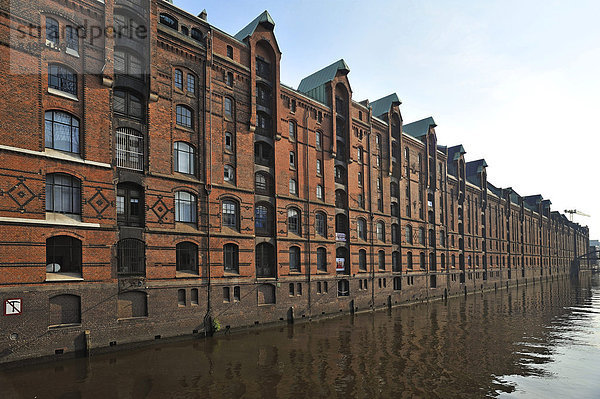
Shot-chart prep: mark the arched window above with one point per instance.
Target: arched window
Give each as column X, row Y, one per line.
column 362, row 260
column 191, row 84
column 292, row 131
column 343, row 288
column 396, row 267
column 186, row 257
column 62, row 78
column 228, row 107
column 422, row 260
column 230, row 214
column 293, row 187
column 295, row 264
column 184, row 158
column 132, row 304
column 127, row 104
column 421, row 236
column 52, row 31
column 131, row 259
column 128, row 63
column 409, row 260
column 167, row 20
column 185, row 207
column 178, row 79
column 229, row 79
column 63, row 193
column 129, row 151
column 63, row 255
column 431, row 238
column 64, row 310
column 361, row 228
column 321, row 224
column 321, row 259
column 197, row 34
column 381, row 260
column 395, row 234
column 294, row 221
column 409, row 234
column 130, row 204
column 263, row 220
column 185, row 30
column 262, row 183
column 184, row 116
column 381, row 231
column 229, row 141
column 442, row 261
column 265, row 260
column 62, row 131
column 231, row 258
column 229, row 174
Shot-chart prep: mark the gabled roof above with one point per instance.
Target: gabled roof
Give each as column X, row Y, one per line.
column 263, row 19
column 323, row 76
column 495, row 190
column 383, row 105
column 533, row 199
column 475, row 167
column 419, row 128
column 455, row 152
column 514, row 196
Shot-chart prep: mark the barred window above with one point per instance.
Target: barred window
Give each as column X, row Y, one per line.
column 185, row 207
column 230, row 214
column 62, row 131
column 62, row 78
column 186, row 257
column 231, row 258
column 130, row 257
column 184, row 157
column 183, row 116
column 178, row 79
column 129, row 149
column 63, row 193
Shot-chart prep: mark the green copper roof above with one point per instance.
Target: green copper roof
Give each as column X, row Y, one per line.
column 383, row 105
column 455, row 152
column 262, row 19
column 419, row 128
column 314, row 84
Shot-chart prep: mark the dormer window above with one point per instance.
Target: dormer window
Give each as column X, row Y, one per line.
column 169, row 21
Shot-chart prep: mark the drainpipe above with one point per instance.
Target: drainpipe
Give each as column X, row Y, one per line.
column 307, row 200
column 371, row 255
column 208, row 184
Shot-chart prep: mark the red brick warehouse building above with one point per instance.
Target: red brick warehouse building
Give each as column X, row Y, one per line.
column 157, row 177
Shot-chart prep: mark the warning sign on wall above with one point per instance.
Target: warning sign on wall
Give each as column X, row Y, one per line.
column 12, row 307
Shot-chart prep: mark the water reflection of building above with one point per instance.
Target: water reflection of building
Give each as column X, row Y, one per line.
column 167, row 179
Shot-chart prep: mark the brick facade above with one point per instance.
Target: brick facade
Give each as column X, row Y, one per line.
column 157, row 178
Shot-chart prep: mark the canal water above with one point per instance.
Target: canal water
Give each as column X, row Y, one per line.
column 536, row 341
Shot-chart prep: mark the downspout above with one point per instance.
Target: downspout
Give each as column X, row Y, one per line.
column 208, row 184
column 371, row 255
column 307, row 187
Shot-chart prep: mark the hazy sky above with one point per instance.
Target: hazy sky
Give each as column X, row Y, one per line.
column 515, row 82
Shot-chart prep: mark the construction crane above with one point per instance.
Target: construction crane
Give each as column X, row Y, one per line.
column 572, row 212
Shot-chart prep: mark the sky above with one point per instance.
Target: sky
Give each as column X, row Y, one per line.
column 514, row 82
